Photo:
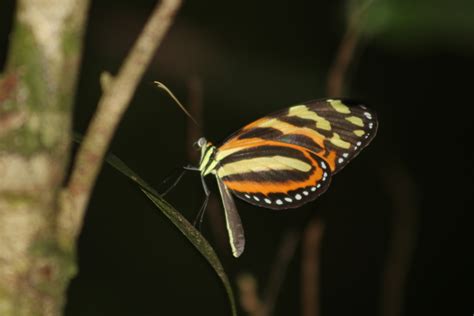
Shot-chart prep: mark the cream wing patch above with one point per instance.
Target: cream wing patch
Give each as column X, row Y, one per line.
column 339, row 106
column 303, row 112
column 259, row 164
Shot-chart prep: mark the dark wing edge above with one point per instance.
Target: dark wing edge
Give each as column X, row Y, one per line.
column 342, row 116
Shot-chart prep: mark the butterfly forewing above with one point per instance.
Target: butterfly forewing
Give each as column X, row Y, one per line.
column 335, row 130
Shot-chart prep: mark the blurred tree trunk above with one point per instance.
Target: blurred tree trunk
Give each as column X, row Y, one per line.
column 36, row 96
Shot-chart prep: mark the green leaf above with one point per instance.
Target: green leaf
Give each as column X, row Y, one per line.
column 421, row 23
column 186, row 228
column 195, row 237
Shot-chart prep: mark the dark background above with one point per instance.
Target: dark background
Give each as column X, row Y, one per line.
column 414, row 66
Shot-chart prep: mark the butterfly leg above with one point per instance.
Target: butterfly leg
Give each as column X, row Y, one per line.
column 178, row 178
column 200, row 215
column 191, row 168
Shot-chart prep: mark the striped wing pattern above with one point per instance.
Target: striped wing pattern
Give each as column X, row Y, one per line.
column 286, row 159
column 275, row 175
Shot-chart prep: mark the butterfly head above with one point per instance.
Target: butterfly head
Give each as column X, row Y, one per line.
column 201, row 142
column 207, row 163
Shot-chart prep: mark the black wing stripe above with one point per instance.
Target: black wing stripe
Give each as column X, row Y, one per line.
column 261, row 132
column 275, row 176
column 300, row 140
column 284, row 198
column 263, row 151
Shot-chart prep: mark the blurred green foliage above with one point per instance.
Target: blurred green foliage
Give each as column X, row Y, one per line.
column 421, row 23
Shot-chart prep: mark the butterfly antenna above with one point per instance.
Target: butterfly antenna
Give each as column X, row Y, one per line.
column 162, row 86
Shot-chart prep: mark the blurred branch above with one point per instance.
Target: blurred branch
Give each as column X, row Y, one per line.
column 248, row 294
column 110, row 109
column 250, row 301
column 402, row 190
column 285, row 253
column 310, row 268
column 314, row 231
column 313, row 234
column 345, row 52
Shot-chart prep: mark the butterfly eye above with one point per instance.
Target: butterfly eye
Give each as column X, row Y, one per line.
column 200, row 143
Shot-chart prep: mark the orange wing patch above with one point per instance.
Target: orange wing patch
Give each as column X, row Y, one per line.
column 268, row 187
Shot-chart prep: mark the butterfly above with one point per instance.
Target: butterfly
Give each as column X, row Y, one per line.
column 286, row 159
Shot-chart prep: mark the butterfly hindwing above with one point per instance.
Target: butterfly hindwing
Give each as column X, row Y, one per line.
column 336, row 130
column 273, row 174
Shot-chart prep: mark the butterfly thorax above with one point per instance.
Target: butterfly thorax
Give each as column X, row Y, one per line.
column 208, row 163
